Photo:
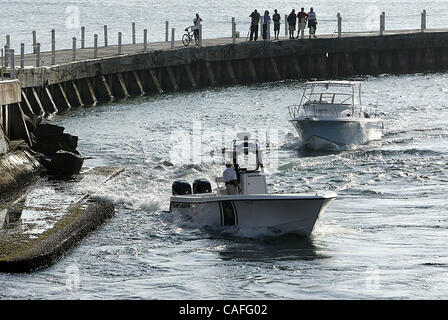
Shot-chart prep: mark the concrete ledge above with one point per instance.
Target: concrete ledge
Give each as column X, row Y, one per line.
column 53, row 244
column 10, row 92
column 18, row 169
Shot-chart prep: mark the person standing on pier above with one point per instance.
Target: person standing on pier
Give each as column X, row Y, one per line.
column 266, row 18
column 276, row 18
column 196, row 26
column 302, row 17
column 312, row 22
column 292, row 23
column 254, row 25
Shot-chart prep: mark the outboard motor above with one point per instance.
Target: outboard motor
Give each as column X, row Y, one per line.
column 181, row 187
column 202, row 186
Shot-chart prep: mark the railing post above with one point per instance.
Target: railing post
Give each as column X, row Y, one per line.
column 381, row 25
column 95, row 46
column 200, row 35
column 6, row 56
column 12, row 69
column 119, row 42
column 423, row 21
column 34, row 41
column 1, row 61
column 339, row 25
column 83, row 37
column 22, row 55
column 74, row 49
column 261, row 26
column 167, row 27
column 8, row 45
column 145, row 39
column 286, row 24
column 233, row 30
column 105, row 35
column 172, row 37
column 53, row 46
column 133, row 33
column 38, row 54
column 384, row 21
column 268, row 36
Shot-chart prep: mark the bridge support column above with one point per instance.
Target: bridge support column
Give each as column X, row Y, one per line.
column 190, row 76
column 29, row 109
column 211, row 75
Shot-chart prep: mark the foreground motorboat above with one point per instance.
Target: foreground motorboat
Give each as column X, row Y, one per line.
column 330, row 116
column 254, row 207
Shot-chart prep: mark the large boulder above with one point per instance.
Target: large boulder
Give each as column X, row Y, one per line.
column 49, row 145
column 46, row 130
column 51, row 138
column 65, row 163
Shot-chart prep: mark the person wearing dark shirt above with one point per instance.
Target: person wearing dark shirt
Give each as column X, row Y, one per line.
column 302, row 16
column 254, row 25
column 292, row 23
column 276, row 19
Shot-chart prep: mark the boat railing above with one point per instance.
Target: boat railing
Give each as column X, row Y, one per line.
column 294, row 110
column 316, row 109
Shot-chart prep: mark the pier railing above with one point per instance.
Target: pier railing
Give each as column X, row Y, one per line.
column 79, row 48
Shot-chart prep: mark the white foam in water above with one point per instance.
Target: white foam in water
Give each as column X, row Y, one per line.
column 322, row 229
column 122, row 190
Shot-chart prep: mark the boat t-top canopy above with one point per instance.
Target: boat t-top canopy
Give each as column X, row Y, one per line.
column 334, row 92
column 340, row 83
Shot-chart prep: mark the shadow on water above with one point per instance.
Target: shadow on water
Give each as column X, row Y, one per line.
column 288, row 247
column 305, row 152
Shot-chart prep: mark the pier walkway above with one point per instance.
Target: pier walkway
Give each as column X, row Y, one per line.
column 67, row 55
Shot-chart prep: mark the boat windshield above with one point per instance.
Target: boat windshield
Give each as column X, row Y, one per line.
column 332, row 92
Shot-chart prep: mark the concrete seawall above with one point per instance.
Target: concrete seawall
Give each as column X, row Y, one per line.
column 46, row 90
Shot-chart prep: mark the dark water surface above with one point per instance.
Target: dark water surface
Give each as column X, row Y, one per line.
column 384, row 237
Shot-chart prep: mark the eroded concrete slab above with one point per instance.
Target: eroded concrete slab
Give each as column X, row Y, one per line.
column 53, row 216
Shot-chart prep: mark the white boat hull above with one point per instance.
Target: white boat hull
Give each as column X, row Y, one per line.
column 337, row 134
column 279, row 213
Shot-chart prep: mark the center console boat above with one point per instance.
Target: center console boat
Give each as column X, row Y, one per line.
column 254, row 207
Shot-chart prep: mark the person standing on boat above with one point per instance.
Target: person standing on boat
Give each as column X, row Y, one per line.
column 276, row 18
column 312, row 23
column 231, row 180
column 254, row 25
column 196, row 25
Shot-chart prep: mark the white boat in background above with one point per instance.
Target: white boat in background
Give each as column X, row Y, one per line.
column 254, row 207
column 330, row 116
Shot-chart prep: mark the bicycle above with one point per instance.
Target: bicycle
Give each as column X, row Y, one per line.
column 188, row 37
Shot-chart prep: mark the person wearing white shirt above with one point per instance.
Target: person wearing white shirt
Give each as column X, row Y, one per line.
column 312, row 22
column 231, row 180
column 196, row 25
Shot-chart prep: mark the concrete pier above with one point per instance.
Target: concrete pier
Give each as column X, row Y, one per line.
column 136, row 72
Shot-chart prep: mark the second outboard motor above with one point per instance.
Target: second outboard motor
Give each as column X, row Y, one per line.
column 181, row 187
column 202, row 186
